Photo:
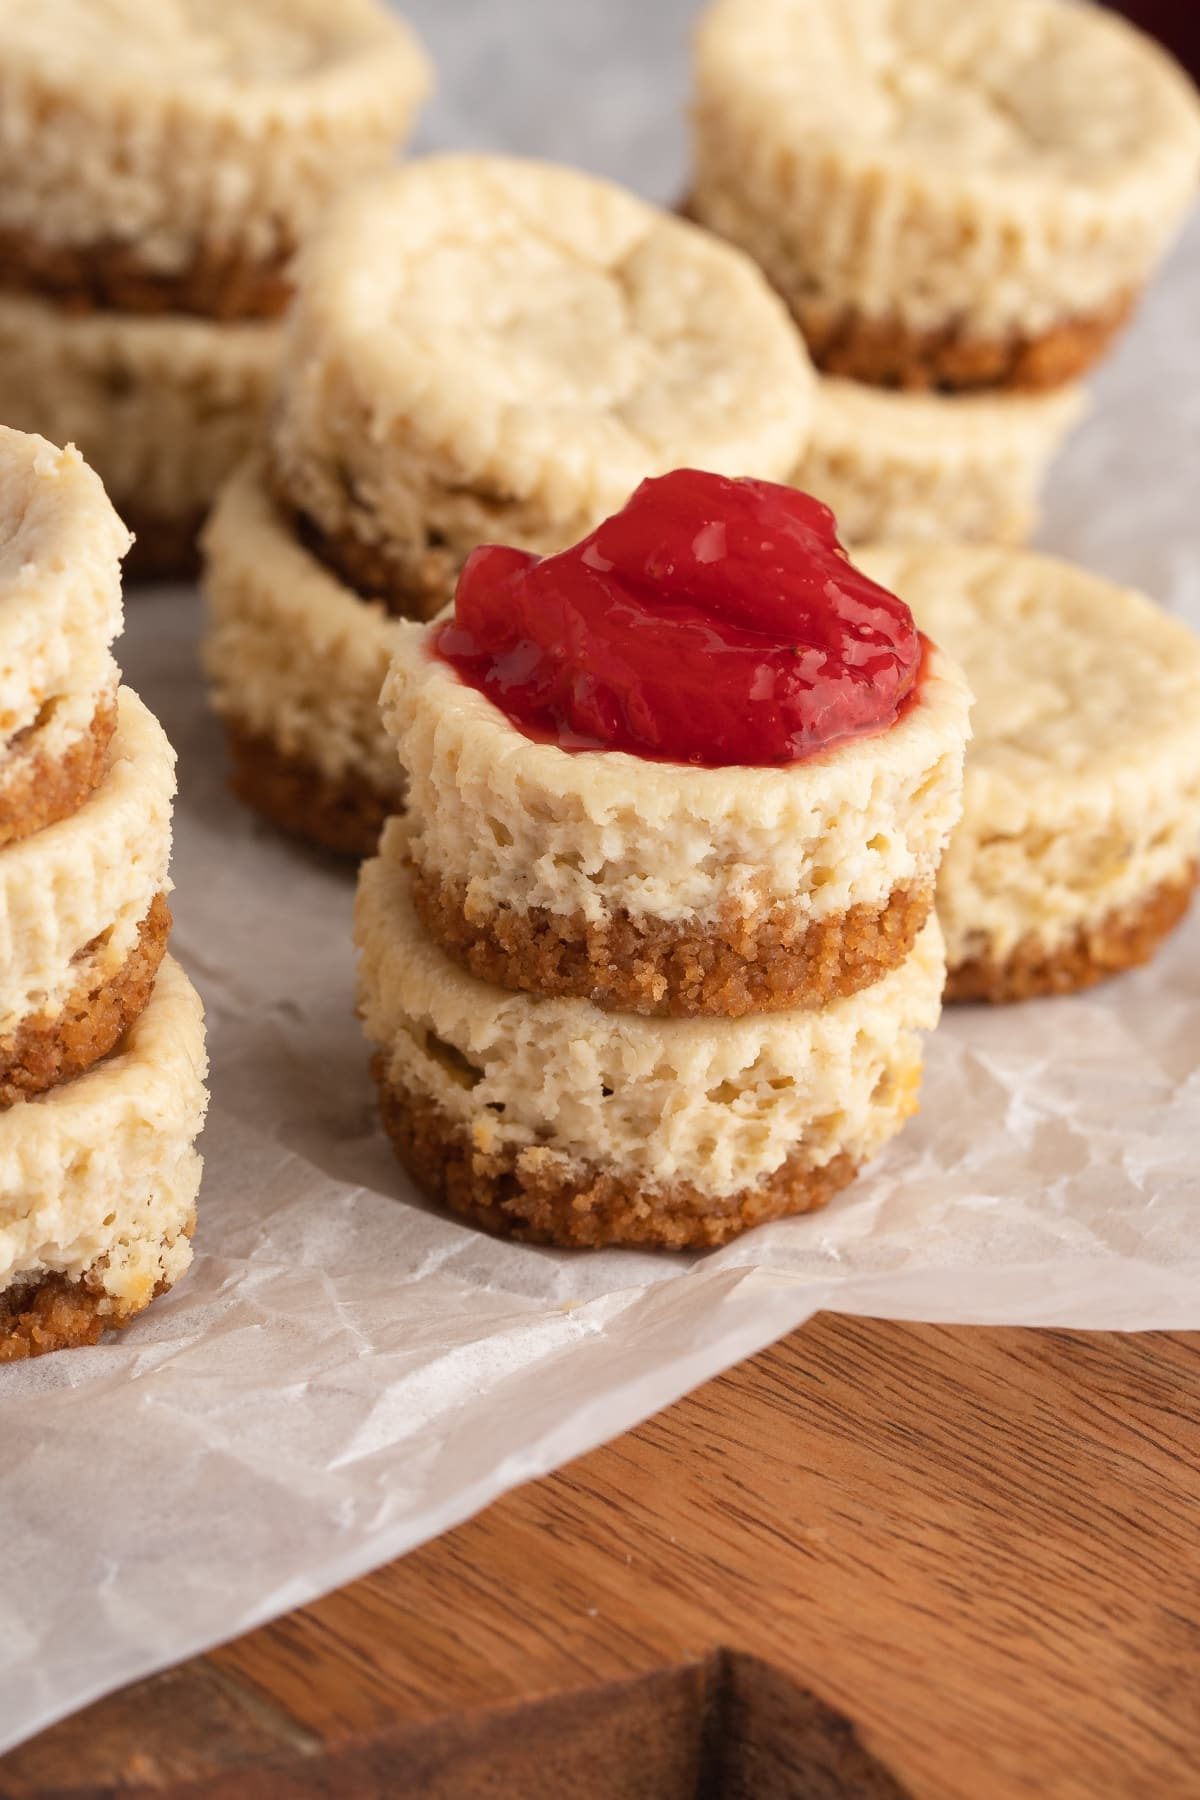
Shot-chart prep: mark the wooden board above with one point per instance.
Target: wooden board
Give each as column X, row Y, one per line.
column 982, row 1548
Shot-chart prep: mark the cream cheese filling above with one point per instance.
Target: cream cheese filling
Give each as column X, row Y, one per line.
column 73, row 896
column 525, row 824
column 718, row 1103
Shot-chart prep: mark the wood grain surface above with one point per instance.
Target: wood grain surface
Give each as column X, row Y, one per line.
column 980, row 1547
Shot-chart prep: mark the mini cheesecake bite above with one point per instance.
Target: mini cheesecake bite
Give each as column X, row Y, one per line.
column 485, row 349
column 98, row 1183
column 160, row 165
column 296, row 661
column 697, row 764
column 948, row 196
column 899, row 467
column 554, row 1121
column 1078, row 844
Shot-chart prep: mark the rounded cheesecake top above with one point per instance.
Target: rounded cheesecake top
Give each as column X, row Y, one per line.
column 61, row 545
column 711, row 621
column 999, row 96
column 531, row 339
column 1077, row 683
column 243, row 54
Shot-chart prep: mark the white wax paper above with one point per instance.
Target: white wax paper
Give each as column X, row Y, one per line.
column 345, row 1373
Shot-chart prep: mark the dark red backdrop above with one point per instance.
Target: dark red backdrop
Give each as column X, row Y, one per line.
column 1176, row 22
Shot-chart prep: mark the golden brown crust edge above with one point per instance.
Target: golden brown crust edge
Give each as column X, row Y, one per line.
column 537, row 1197
column 41, row 1053
column 774, row 962
column 412, row 585
column 885, row 353
column 113, row 277
column 56, row 1313
column 41, row 790
column 345, row 815
column 1122, row 940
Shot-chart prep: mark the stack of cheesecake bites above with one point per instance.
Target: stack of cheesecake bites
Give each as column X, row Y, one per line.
column 101, row 1035
column 159, row 165
column 480, row 349
column 618, row 1001
column 608, row 1000
column 611, row 1000
column 961, row 205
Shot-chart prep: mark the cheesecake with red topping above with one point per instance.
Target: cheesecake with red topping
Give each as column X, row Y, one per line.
column 482, row 349
column 648, row 957
column 696, row 764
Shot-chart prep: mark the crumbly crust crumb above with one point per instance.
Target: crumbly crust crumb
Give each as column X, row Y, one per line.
column 114, row 277
column 538, row 1196
column 1122, row 940
column 43, row 1052
column 57, row 1313
column 344, row 814
column 886, row 353
column 39, row 790
column 772, row 961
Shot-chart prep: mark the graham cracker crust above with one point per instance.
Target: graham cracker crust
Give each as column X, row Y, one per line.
column 885, row 353
column 112, row 277
column 344, row 815
column 41, row 789
column 163, row 549
column 43, row 1052
column 772, row 963
column 537, row 1196
column 411, row 587
column 1122, row 940
column 56, row 1313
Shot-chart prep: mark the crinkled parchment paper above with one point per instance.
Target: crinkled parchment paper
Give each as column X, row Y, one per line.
column 345, row 1374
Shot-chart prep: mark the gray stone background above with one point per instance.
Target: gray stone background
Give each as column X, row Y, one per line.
column 598, row 83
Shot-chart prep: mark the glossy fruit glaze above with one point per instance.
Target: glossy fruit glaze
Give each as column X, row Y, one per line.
column 710, row 621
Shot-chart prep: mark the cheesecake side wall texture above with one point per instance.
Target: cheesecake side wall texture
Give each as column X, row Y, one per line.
column 102, row 1059
column 657, row 888
column 1080, row 832
column 936, row 223
column 557, row 1121
column 110, row 1173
